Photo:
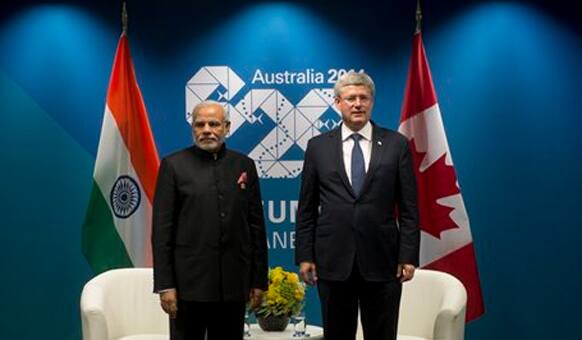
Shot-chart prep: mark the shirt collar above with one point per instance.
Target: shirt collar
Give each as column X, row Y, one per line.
column 365, row 132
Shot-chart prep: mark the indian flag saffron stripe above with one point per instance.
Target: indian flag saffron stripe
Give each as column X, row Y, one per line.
column 117, row 228
column 127, row 106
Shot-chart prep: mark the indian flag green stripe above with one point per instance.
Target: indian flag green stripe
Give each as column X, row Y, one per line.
column 101, row 243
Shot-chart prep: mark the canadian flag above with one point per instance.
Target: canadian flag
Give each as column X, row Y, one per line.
column 446, row 241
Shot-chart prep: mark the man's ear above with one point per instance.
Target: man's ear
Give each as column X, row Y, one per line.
column 227, row 128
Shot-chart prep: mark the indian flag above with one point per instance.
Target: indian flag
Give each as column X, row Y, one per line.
column 117, row 228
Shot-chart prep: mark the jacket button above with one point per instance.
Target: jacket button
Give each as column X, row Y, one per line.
column 222, row 214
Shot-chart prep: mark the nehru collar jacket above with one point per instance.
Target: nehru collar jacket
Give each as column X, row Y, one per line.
column 208, row 233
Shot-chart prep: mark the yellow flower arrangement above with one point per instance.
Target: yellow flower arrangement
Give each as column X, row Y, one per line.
column 285, row 296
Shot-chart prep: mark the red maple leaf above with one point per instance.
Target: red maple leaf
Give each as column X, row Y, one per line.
column 437, row 181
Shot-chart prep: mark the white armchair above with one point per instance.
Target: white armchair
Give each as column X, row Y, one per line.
column 432, row 308
column 119, row 304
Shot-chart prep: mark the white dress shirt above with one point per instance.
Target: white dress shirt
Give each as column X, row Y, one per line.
column 348, row 145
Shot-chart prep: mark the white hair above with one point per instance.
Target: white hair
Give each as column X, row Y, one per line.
column 354, row 78
column 207, row 103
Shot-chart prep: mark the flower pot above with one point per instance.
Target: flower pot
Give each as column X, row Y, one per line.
column 273, row 323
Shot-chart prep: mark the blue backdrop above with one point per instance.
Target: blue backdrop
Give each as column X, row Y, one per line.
column 507, row 76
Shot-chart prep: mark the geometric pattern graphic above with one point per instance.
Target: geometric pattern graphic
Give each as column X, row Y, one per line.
column 218, row 83
column 278, row 153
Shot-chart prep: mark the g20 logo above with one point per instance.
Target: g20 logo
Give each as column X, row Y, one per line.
column 277, row 129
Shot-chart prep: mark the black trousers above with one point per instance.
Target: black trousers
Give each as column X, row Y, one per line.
column 220, row 320
column 379, row 303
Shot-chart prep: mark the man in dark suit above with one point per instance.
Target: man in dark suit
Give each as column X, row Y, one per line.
column 209, row 242
column 357, row 232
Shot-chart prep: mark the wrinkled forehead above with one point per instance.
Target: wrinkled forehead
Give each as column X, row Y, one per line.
column 210, row 113
column 355, row 90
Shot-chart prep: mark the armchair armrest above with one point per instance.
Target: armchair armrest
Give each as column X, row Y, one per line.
column 450, row 321
column 93, row 314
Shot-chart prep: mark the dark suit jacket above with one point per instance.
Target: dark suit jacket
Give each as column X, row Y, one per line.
column 208, row 233
column 334, row 227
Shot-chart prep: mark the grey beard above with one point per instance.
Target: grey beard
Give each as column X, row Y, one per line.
column 212, row 147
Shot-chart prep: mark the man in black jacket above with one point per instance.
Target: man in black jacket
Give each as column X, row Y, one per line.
column 208, row 238
column 347, row 236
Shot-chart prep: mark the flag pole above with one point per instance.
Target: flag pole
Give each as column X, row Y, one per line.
column 124, row 18
column 418, row 17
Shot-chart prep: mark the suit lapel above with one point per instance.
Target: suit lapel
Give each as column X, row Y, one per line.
column 336, row 137
column 375, row 158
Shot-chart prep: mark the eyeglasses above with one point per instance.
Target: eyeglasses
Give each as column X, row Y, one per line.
column 351, row 100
